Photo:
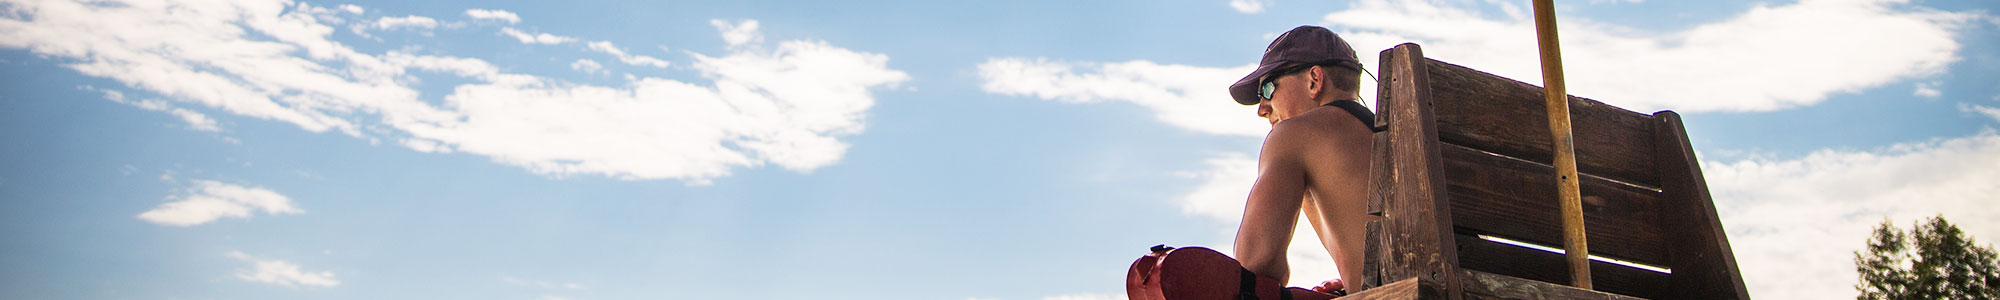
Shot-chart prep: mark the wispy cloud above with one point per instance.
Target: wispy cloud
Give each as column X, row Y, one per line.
column 1190, row 97
column 540, row 283
column 493, row 14
column 627, row 58
column 786, row 105
column 1830, row 199
column 1247, row 6
column 195, row 120
column 535, row 38
column 1987, row 111
column 739, row 33
column 1702, row 68
column 405, row 22
column 280, row 272
column 587, row 66
column 1928, row 90
column 207, row 201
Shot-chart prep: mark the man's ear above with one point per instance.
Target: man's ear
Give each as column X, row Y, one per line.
column 1315, row 82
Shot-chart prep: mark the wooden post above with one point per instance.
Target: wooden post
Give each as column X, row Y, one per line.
column 1577, row 251
column 1415, row 238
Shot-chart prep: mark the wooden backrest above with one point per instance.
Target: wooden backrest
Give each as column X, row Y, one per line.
column 1467, row 154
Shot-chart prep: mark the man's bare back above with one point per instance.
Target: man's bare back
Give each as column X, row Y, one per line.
column 1316, row 162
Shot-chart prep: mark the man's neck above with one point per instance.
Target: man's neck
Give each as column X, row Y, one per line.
column 1325, row 103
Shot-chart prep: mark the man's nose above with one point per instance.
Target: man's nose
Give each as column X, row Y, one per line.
column 1264, row 110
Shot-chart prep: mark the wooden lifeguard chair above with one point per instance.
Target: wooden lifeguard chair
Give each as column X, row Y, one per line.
column 1465, row 163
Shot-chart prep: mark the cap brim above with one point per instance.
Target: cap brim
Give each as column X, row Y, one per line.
column 1245, row 90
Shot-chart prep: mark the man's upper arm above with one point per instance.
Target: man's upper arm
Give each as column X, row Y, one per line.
column 1281, row 166
column 1273, row 207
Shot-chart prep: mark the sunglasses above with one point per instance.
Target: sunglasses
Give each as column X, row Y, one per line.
column 1270, row 84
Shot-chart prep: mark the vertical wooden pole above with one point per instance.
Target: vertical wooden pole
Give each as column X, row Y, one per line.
column 1576, row 250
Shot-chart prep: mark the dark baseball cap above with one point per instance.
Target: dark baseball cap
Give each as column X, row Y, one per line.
column 1303, row 45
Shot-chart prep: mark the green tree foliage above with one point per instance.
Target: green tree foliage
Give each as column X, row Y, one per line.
column 1934, row 260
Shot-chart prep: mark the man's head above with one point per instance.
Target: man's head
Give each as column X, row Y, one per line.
column 1301, row 69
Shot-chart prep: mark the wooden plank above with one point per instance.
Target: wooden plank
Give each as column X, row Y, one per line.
column 1381, row 187
column 1381, row 169
column 1416, row 218
column 1524, row 263
column 1482, row 285
column 1500, row 115
column 1405, row 289
column 1371, row 268
column 1704, row 267
column 1515, row 199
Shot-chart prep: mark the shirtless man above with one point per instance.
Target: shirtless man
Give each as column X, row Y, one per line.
column 1315, row 158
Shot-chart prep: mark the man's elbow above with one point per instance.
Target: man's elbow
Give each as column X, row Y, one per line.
column 1273, row 266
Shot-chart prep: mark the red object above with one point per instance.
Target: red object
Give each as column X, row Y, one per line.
column 1196, row 273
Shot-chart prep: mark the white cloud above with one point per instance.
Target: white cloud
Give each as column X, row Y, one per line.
column 1987, row 111
column 743, row 32
column 627, row 58
column 280, row 272
column 493, row 14
column 587, row 66
column 1247, row 6
column 1226, row 184
column 207, row 201
column 1928, row 90
column 406, row 22
column 195, row 51
column 1794, row 224
column 195, row 120
column 535, row 38
column 787, row 105
column 1189, row 97
column 1815, row 47
column 539, row 283
column 352, row 9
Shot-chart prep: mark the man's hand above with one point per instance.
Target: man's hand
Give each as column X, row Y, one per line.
column 1330, row 285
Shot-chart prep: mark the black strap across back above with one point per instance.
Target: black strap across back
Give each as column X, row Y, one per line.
column 1360, row 113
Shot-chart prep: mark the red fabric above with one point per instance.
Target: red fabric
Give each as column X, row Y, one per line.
column 1196, row 273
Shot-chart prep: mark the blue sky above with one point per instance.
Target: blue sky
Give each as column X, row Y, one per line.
column 257, row 149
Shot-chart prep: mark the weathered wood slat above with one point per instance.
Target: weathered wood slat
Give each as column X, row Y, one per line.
column 1405, row 289
column 1416, row 220
column 1515, row 199
column 1515, row 261
column 1482, row 285
column 1704, row 267
column 1371, row 268
column 1500, row 115
column 1381, row 169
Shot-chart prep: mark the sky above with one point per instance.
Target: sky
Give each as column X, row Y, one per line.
column 269, row 149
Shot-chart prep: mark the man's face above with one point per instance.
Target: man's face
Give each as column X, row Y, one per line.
column 1290, row 95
